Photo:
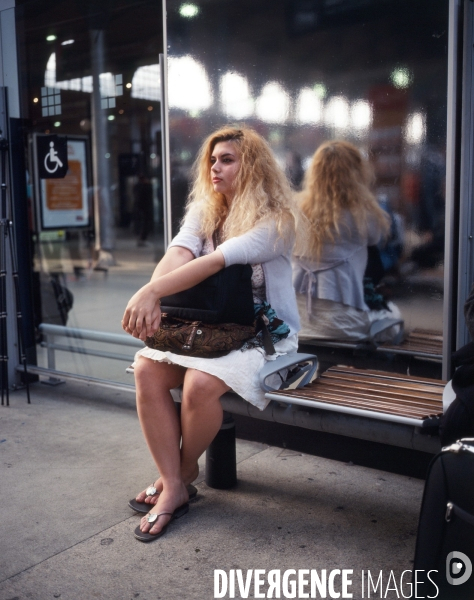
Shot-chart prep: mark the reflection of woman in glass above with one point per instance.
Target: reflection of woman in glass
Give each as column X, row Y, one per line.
column 345, row 218
column 241, row 193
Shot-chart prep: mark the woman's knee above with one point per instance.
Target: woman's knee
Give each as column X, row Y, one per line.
column 157, row 376
column 200, row 388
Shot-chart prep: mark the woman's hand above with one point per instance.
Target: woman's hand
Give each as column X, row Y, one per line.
column 143, row 314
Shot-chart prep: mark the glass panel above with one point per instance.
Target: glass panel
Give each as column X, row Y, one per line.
column 90, row 72
column 373, row 72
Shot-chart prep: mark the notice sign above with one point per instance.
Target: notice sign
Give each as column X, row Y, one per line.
column 65, row 202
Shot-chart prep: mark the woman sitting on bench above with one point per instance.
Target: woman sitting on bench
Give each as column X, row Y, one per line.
column 241, row 194
column 344, row 219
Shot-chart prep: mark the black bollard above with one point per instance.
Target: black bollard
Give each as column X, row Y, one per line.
column 221, row 460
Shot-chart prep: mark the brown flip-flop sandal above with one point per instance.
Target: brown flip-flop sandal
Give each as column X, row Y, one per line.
column 145, row 507
column 152, row 517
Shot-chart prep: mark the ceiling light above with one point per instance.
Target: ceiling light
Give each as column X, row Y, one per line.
column 50, row 38
column 401, row 77
column 188, row 10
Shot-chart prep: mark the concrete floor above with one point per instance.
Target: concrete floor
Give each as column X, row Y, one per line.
column 72, row 459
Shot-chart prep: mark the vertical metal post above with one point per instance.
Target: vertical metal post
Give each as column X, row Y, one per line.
column 221, row 457
column 466, row 184
column 165, row 145
column 100, row 159
column 49, row 340
column 10, row 341
column 10, row 108
column 452, row 187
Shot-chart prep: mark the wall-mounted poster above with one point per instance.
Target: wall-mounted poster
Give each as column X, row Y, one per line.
column 64, row 203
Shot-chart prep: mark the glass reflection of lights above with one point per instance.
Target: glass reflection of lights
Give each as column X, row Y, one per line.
column 188, row 10
column 273, row 104
column 50, row 38
column 152, row 155
column 189, row 86
column 235, row 96
column 309, row 107
column 110, row 84
column 361, row 115
column 401, row 77
column 57, row 123
column 107, row 85
column 67, row 42
column 111, row 117
column 336, row 113
column 320, row 90
column 35, row 100
column 146, row 83
column 107, row 155
column 80, row 84
column 415, row 128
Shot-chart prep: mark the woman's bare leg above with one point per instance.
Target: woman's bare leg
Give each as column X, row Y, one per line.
column 161, row 427
column 201, row 416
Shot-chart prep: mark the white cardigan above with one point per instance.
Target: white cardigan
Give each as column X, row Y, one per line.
column 260, row 245
column 338, row 274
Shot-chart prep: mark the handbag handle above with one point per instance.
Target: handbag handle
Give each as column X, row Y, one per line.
column 266, row 337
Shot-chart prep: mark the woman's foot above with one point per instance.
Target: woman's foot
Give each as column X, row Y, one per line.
column 171, row 498
column 152, row 493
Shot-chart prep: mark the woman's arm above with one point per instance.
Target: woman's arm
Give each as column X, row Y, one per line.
column 259, row 245
column 142, row 315
column 175, row 257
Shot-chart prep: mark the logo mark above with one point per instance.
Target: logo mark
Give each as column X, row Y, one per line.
column 456, row 562
column 52, row 158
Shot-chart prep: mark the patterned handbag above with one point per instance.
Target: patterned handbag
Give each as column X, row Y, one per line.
column 195, row 338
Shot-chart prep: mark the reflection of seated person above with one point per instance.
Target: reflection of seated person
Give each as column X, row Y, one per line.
column 329, row 266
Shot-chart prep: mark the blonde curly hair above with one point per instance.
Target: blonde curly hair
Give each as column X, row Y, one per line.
column 262, row 190
column 337, row 180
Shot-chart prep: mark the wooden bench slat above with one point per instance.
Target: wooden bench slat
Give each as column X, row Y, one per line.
column 387, row 387
column 377, row 391
column 385, row 375
column 321, row 391
column 420, row 340
column 390, row 397
column 432, row 408
column 384, row 408
column 364, row 403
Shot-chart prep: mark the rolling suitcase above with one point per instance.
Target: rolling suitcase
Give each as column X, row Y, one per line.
column 444, row 554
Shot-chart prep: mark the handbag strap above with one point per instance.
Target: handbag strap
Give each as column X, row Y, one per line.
column 260, row 325
column 266, row 337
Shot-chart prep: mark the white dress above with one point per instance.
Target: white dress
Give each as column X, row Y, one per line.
column 239, row 369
